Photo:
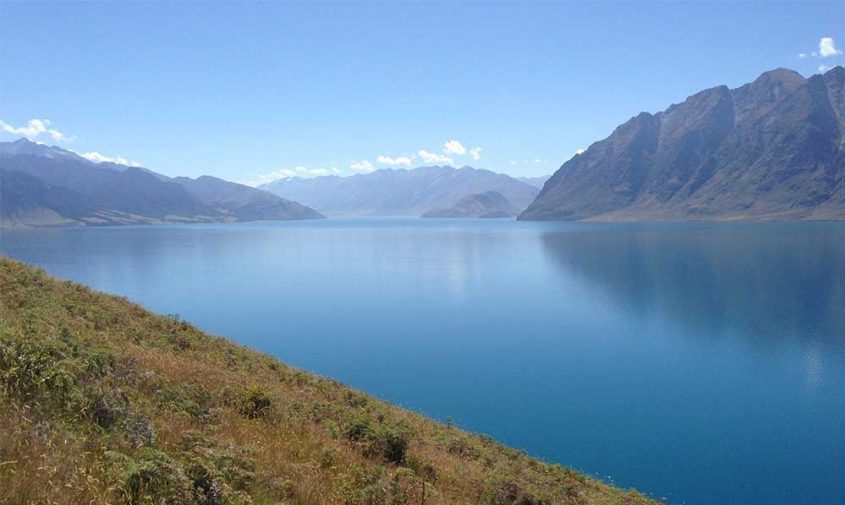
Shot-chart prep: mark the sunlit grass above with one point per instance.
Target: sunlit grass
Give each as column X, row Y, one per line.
column 102, row 401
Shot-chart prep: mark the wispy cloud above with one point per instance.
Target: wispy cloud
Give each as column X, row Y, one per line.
column 429, row 157
column 827, row 47
column 824, row 68
column 399, row 161
column 475, row 152
column 362, row 166
column 102, row 158
column 33, row 129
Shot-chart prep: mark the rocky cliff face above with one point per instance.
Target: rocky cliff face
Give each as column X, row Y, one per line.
column 771, row 149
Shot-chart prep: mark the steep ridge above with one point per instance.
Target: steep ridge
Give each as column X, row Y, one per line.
column 771, row 149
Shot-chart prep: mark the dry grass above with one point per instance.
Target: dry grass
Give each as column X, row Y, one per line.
column 104, row 402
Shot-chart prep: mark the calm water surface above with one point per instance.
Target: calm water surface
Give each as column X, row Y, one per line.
column 704, row 363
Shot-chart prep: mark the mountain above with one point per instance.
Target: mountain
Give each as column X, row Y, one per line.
column 490, row 204
column 42, row 185
column 105, row 402
column 244, row 202
column 401, row 192
column 537, row 182
column 771, row 149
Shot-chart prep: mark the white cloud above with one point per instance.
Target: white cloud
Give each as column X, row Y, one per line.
column 435, row 158
column 802, row 55
column 827, row 47
column 475, row 152
column 824, row 68
column 402, row 161
column 287, row 173
column 362, row 166
column 319, row 172
column 101, row 158
column 454, row 147
column 580, row 151
column 537, row 160
column 33, row 129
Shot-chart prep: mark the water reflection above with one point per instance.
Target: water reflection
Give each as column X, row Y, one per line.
column 765, row 282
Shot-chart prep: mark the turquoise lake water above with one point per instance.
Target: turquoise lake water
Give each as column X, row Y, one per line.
column 703, row 363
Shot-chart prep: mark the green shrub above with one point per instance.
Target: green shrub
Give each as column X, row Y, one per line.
column 255, row 404
column 389, row 442
column 31, row 368
column 186, row 398
column 151, row 478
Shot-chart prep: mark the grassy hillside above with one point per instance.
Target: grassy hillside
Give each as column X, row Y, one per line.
column 102, row 402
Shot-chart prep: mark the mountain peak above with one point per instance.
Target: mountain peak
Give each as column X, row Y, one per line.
column 780, row 77
column 837, row 72
column 767, row 150
column 24, row 146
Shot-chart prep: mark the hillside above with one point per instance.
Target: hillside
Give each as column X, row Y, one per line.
column 47, row 186
column 771, row 149
column 242, row 202
column 401, row 192
column 103, row 402
column 490, row 204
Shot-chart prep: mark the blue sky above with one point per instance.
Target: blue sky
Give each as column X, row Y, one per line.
column 247, row 90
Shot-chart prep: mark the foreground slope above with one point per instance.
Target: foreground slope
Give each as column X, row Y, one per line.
column 400, row 192
column 104, row 402
column 47, row 186
column 771, row 149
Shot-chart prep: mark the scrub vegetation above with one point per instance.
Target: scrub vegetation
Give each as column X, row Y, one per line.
column 103, row 402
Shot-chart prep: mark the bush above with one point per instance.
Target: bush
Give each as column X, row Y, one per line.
column 387, row 442
column 255, row 404
column 152, row 478
column 395, row 445
column 28, row 369
column 109, row 408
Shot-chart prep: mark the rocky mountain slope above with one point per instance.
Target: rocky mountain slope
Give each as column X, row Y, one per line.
column 771, row 149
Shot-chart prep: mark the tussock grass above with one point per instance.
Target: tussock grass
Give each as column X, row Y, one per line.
column 104, row 402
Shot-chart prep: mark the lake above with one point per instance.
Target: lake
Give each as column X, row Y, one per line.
column 703, row 363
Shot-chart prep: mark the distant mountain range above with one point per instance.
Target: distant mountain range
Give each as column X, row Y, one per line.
column 534, row 181
column 771, row 149
column 391, row 192
column 490, row 204
column 43, row 186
